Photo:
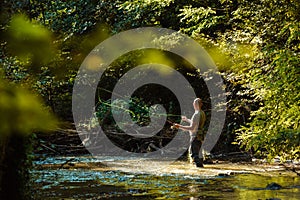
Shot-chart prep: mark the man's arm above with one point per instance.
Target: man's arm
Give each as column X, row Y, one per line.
column 193, row 123
column 185, row 128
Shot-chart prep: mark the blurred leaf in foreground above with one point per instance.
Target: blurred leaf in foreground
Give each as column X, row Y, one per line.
column 31, row 42
column 22, row 112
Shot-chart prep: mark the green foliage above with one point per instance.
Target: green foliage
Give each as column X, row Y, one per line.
column 138, row 13
column 65, row 17
column 199, row 19
column 275, row 126
column 207, row 17
column 273, row 76
column 137, row 107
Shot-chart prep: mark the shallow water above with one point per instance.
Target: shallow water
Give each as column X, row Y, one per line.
column 117, row 178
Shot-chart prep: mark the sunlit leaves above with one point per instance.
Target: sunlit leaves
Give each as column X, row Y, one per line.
column 270, row 33
column 199, row 19
column 138, row 13
column 275, row 126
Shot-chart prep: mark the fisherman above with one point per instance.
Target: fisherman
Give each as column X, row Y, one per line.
column 195, row 128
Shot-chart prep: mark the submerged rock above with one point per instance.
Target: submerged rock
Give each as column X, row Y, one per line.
column 273, row 186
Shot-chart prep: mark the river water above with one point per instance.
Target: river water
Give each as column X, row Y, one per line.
column 122, row 178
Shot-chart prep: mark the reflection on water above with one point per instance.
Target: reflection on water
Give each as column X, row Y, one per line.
column 179, row 181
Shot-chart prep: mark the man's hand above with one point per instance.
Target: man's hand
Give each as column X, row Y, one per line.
column 176, row 125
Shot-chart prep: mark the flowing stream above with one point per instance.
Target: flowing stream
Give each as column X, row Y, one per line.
column 122, row 178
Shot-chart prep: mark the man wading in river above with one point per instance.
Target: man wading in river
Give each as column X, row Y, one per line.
column 196, row 131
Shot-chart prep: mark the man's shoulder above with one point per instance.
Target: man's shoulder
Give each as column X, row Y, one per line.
column 201, row 112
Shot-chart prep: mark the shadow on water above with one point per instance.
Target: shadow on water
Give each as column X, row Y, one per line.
column 70, row 180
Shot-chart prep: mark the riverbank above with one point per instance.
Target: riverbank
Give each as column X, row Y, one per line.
column 66, row 144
